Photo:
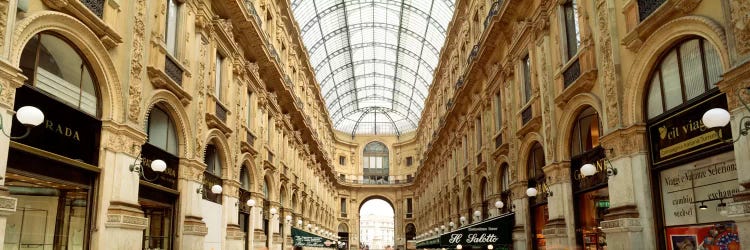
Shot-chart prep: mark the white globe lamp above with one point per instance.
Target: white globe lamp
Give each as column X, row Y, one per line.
column 716, row 117
column 588, row 169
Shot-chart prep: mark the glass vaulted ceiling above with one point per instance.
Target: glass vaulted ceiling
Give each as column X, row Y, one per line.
column 374, row 59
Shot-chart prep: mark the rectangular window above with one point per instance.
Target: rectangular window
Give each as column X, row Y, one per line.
column 498, row 112
column 170, row 39
column 409, row 160
column 342, row 160
column 526, row 79
column 479, row 133
column 343, row 207
column 217, row 85
column 466, row 151
column 572, row 34
column 249, row 107
column 408, row 208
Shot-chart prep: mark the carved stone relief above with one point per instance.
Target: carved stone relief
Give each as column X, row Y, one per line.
column 136, row 62
column 741, row 24
column 607, row 66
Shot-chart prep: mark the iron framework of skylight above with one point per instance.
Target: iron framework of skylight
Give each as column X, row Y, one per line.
column 374, row 59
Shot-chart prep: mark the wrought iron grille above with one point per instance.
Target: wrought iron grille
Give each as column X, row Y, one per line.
column 460, row 82
column 473, row 54
column 572, row 73
column 498, row 141
column 526, row 115
column 172, row 70
column 221, row 112
column 250, row 138
column 646, row 7
column 494, row 10
column 96, row 6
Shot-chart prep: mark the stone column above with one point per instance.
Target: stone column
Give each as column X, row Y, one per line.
column 274, row 242
column 735, row 80
column 234, row 236
column 10, row 79
column 560, row 230
column 194, row 229
column 120, row 218
column 629, row 223
column 258, row 239
column 520, row 206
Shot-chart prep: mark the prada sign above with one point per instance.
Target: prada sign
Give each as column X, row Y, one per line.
column 65, row 131
column 168, row 178
column 683, row 133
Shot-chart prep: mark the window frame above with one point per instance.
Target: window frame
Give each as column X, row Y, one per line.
column 526, row 79
column 175, row 49
column 565, row 26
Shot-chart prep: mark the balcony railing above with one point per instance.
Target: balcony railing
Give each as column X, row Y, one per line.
column 460, row 82
column 96, row 6
column 572, row 73
column 250, row 138
column 526, row 115
column 409, row 215
column 494, row 9
column 473, row 54
column 343, row 215
column 646, row 7
column 221, row 112
column 172, row 70
column 498, row 141
column 377, row 182
column 270, row 157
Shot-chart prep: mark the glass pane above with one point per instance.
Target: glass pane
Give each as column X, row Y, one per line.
column 670, row 74
column 158, row 126
column 713, row 64
column 217, row 87
column 654, row 97
column 692, row 68
column 527, row 79
column 171, row 36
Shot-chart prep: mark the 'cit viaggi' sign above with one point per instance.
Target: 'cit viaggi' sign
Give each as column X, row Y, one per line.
column 495, row 231
column 683, row 133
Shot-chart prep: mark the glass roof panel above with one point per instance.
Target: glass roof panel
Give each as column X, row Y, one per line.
column 374, row 59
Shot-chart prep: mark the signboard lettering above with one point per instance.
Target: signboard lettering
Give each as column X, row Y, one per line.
column 65, row 131
column 683, row 133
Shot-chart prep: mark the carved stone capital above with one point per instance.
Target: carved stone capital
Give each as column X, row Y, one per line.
column 625, row 141
column 125, row 215
column 122, row 139
column 194, row 226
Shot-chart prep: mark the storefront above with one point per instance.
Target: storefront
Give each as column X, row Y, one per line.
column 693, row 170
column 157, row 192
column 539, row 215
column 53, row 172
column 590, row 193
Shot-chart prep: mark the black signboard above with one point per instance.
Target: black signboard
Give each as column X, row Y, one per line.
column 304, row 239
column 168, row 178
column 65, row 131
column 595, row 157
column 683, row 134
column 496, row 231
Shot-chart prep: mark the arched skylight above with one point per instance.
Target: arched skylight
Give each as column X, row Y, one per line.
column 374, row 59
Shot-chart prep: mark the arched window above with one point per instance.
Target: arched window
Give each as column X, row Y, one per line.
column 282, row 196
column 586, row 132
column 55, row 67
column 213, row 161
column 244, row 178
column 212, row 175
column 505, row 187
column 686, row 71
column 485, row 197
column 411, row 231
column 161, row 131
column 535, row 162
column 375, row 163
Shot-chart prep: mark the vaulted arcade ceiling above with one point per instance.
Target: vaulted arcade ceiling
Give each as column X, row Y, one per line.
column 374, row 59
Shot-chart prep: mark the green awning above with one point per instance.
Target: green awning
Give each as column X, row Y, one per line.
column 305, row 239
column 429, row 243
